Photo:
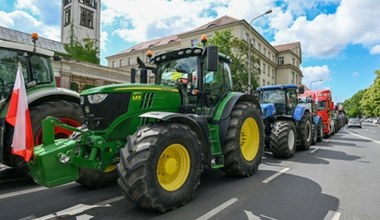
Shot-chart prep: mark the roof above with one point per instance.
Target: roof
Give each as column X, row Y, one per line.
column 8, row 34
column 286, row 47
column 285, row 86
column 175, row 38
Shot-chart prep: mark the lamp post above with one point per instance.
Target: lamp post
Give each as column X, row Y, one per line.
column 320, row 80
column 249, row 48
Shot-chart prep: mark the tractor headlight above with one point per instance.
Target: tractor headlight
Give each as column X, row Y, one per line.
column 96, row 98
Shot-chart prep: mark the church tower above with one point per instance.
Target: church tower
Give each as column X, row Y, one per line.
column 80, row 19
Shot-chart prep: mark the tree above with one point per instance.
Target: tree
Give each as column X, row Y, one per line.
column 370, row 102
column 237, row 51
column 352, row 105
column 85, row 51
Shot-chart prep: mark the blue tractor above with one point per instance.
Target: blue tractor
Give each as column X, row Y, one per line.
column 288, row 126
column 317, row 125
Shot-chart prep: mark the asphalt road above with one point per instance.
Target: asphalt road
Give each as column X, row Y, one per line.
column 338, row 178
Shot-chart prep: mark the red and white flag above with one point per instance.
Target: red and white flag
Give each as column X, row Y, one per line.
column 18, row 116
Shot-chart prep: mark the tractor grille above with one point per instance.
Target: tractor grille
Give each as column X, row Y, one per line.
column 147, row 100
column 100, row 116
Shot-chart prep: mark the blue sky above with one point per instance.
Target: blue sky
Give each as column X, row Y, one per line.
column 340, row 39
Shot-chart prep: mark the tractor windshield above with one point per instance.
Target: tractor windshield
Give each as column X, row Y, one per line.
column 172, row 71
column 9, row 60
column 272, row 96
column 321, row 105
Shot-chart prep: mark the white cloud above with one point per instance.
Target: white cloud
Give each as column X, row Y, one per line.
column 28, row 5
column 375, row 49
column 355, row 74
column 313, row 74
column 328, row 34
column 103, row 40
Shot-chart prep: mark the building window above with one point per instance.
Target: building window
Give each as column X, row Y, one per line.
column 293, row 78
column 67, row 18
column 268, row 70
column 280, row 61
column 90, row 3
column 259, row 47
column 194, row 42
column 66, row 2
column 264, row 68
column 129, row 61
column 263, row 83
column 294, row 61
column 87, row 18
column 121, row 63
column 253, row 43
column 113, row 64
column 272, row 73
column 265, row 51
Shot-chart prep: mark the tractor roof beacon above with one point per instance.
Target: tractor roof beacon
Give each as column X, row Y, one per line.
column 157, row 138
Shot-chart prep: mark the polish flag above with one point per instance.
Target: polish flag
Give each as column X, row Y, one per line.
column 18, row 116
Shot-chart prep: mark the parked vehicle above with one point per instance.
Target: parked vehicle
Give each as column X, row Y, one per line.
column 354, row 122
column 44, row 97
column 287, row 125
column 156, row 139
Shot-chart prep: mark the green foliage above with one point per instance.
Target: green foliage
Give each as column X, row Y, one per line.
column 352, row 105
column 370, row 102
column 237, row 50
column 85, row 51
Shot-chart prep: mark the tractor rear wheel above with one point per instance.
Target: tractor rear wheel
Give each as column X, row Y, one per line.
column 244, row 144
column 319, row 131
column 305, row 132
column 283, row 139
column 68, row 112
column 160, row 167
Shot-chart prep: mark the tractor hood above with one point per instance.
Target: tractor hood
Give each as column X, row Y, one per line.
column 128, row 87
column 268, row 110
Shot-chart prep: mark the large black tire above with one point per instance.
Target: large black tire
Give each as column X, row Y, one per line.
column 314, row 134
column 319, row 131
column 305, row 132
column 94, row 178
column 160, row 167
column 244, row 144
column 283, row 139
column 69, row 112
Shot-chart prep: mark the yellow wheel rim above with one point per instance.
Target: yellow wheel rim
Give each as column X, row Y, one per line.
column 110, row 168
column 173, row 167
column 249, row 139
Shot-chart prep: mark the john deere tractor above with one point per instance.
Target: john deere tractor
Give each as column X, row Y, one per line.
column 44, row 97
column 157, row 138
column 287, row 124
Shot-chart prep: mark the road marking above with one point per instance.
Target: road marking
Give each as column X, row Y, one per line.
column 218, row 209
column 79, row 208
column 314, row 150
column 252, row 216
column 26, row 191
column 267, row 180
column 331, row 215
column 365, row 138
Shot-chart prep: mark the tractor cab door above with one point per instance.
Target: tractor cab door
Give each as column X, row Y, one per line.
column 216, row 84
column 291, row 101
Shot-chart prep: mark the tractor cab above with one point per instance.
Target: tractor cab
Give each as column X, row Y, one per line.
column 202, row 76
column 278, row 100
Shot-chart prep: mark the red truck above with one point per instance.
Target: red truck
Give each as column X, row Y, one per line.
column 325, row 107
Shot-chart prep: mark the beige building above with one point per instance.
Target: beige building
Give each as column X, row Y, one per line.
column 277, row 64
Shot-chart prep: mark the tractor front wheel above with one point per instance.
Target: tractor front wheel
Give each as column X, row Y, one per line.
column 244, row 144
column 160, row 167
column 305, row 132
column 68, row 112
column 283, row 139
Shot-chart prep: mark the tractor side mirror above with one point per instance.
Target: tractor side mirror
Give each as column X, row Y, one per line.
column 212, row 58
column 301, row 89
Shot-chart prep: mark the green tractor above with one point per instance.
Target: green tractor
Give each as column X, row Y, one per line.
column 44, row 97
column 156, row 139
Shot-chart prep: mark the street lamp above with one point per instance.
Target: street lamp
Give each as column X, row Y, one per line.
column 320, row 80
column 249, row 49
